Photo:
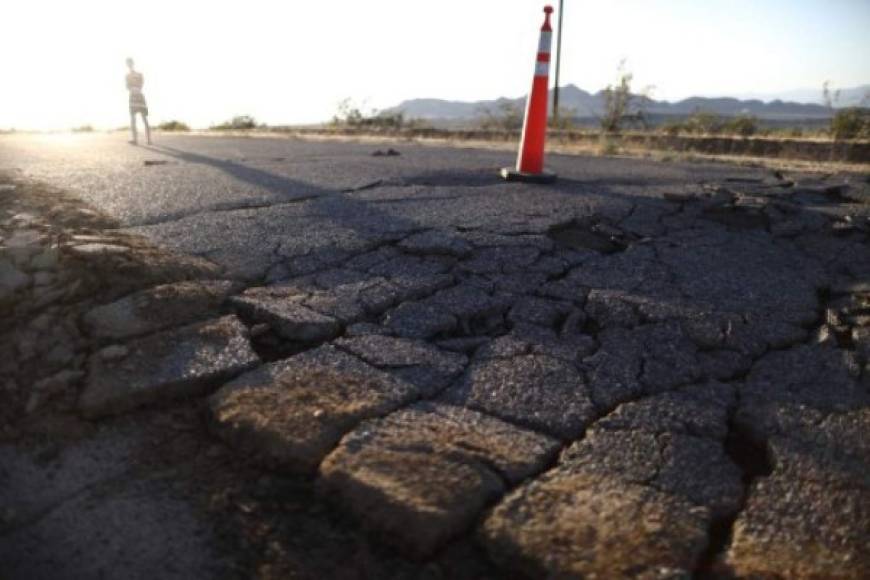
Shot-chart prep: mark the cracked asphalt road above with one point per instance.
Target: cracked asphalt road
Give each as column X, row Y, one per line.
column 647, row 369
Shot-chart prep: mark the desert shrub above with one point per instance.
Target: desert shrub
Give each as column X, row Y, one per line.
column 621, row 106
column 616, row 102
column 743, row 125
column 851, row 123
column 240, row 123
column 672, row 128
column 384, row 120
column 349, row 114
column 507, row 116
column 83, row 129
column 173, row 126
column 702, row 123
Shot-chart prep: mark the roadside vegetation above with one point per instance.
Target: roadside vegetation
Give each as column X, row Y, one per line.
column 565, row 120
column 624, row 127
column 848, row 123
column 173, row 126
column 506, row 116
column 240, row 123
column 351, row 115
column 851, row 123
column 624, row 112
column 706, row 123
column 624, row 109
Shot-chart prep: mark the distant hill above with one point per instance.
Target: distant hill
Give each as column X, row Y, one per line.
column 584, row 104
column 851, row 97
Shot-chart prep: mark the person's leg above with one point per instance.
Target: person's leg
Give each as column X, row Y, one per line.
column 133, row 127
column 147, row 128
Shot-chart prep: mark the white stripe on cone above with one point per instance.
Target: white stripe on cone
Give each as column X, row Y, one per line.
column 544, row 44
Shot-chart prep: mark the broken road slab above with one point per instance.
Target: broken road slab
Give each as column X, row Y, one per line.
column 173, row 364
column 579, row 525
column 423, row 475
column 291, row 414
column 158, row 308
column 285, row 313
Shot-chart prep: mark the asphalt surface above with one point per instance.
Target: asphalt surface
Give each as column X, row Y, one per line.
column 310, row 196
column 645, row 369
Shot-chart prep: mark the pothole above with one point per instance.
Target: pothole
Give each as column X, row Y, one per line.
column 597, row 236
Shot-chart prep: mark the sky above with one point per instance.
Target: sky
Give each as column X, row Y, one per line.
column 287, row 61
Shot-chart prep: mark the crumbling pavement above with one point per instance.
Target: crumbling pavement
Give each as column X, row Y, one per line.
column 681, row 389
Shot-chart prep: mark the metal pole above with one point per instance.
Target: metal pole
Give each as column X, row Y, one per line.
column 558, row 62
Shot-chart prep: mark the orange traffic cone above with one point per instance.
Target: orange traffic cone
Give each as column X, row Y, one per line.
column 530, row 161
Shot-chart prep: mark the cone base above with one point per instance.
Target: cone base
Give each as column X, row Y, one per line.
column 510, row 174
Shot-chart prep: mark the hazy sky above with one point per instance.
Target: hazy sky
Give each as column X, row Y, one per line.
column 287, row 61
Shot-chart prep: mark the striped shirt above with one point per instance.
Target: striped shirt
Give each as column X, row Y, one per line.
column 135, row 81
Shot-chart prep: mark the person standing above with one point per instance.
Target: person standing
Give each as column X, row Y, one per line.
column 135, row 80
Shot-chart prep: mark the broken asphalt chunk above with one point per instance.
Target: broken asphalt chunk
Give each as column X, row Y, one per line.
column 540, row 392
column 291, row 414
column 177, row 363
column 286, row 315
column 158, row 308
column 422, row 475
column 569, row 524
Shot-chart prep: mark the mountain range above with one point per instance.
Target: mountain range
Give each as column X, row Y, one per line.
column 583, row 104
column 850, row 97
